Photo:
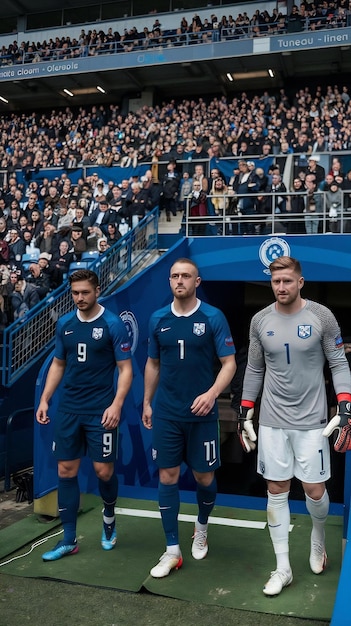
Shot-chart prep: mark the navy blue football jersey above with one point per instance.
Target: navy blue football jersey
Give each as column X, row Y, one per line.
column 186, row 347
column 90, row 349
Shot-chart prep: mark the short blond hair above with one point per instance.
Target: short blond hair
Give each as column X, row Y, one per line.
column 286, row 263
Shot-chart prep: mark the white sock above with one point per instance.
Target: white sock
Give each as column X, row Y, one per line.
column 318, row 510
column 199, row 526
column 175, row 549
column 278, row 515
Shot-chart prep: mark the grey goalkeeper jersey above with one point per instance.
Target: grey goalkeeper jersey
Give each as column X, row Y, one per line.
column 287, row 355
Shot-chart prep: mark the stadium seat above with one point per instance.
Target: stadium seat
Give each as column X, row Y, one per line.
column 77, row 265
column 29, row 258
column 90, row 255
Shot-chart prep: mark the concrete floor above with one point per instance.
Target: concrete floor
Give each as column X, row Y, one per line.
column 10, row 510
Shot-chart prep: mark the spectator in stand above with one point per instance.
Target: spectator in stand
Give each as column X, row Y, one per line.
column 186, row 186
column 170, row 190
column 62, row 258
column 117, row 202
column 14, row 217
column 49, row 215
column 81, row 219
column 333, row 206
column 325, row 184
column 17, row 247
column 4, row 212
column 137, row 204
column 31, row 204
column 313, row 205
column 154, row 188
column 197, row 208
column 52, row 197
column 113, row 234
column 48, row 240
column 102, row 245
column 316, row 169
column 41, row 280
column 77, row 241
column 66, row 217
column 218, row 196
column 36, row 223
column 245, row 184
column 336, row 167
column 54, row 275
column 199, row 174
column 23, row 298
column 4, row 252
column 102, row 216
column 296, row 205
column 95, row 233
column 3, row 228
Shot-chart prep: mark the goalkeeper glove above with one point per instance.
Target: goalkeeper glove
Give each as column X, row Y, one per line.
column 246, row 430
column 341, row 422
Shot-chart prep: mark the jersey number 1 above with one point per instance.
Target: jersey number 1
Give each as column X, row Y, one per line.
column 287, row 348
column 181, row 345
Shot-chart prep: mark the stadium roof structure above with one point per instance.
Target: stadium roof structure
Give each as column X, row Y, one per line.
column 10, row 8
column 221, row 68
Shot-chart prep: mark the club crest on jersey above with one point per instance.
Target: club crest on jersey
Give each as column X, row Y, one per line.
column 97, row 333
column 304, row 331
column 199, row 328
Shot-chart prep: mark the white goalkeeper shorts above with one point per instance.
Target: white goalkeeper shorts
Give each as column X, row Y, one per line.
column 284, row 453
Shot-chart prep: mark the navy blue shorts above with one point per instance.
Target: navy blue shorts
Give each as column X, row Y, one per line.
column 78, row 435
column 195, row 443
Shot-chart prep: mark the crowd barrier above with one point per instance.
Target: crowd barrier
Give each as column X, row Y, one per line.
column 29, row 338
column 171, row 38
column 235, row 221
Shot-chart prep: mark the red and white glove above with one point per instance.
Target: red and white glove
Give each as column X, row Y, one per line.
column 341, row 423
column 246, row 431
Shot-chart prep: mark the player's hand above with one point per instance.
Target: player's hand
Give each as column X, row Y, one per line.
column 246, row 431
column 41, row 414
column 341, row 423
column 203, row 404
column 147, row 417
column 111, row 417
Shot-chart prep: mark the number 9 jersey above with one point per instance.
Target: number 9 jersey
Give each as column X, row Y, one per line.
column 90, row 350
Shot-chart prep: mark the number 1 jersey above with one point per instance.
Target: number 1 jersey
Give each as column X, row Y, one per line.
column 187, row 347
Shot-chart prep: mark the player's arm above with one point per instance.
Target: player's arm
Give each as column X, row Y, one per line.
column 339, row 367
column 203, row 404
column 112, row 414
column 253, row 380
column 151, row 378
column 53, row 379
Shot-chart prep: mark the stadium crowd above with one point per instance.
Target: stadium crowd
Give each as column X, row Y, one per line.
column 307, row 15
column 54, row 221
column 308, row 121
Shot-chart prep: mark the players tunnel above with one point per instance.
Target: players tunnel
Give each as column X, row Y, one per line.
column 235, row 278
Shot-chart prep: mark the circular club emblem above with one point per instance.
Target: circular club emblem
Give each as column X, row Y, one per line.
column 131, row 324
column 272, row 249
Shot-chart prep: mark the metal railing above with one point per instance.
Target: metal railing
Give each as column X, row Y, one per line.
column 30, row 337
column 172, row 38
column 273, row 219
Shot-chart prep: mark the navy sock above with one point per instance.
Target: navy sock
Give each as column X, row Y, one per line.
column 168, row 497
column 109, row 491
column 206, row 498
column 68, row 503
